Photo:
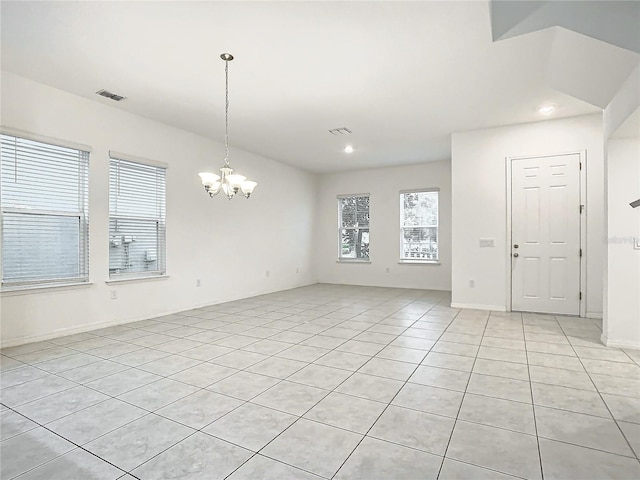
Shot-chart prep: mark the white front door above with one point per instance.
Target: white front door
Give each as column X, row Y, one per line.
column 545, row 233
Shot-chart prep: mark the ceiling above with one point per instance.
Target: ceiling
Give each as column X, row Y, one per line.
column 401, row 75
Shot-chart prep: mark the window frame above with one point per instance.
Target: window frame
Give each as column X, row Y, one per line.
column 418, row 261
column 160, row 222
column 82, row 215
column 342, row 259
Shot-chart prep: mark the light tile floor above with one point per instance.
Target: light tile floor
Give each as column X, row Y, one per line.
column 326, row 382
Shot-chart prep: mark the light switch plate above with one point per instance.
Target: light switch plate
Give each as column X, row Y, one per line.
column 487, row 242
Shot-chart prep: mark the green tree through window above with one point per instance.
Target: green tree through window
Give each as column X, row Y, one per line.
column 353, row 227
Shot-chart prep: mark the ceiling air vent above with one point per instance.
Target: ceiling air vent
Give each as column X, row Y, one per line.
column 340, row 131
column 112, row 96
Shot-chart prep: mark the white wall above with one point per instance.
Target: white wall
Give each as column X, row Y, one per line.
column 229, row 246
column 479, row 204
column 621, row 326
column 625, row 102
column 384, row 186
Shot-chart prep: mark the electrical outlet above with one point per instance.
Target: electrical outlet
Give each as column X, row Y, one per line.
column 267, row 274
column 387, row 270
column 472, row 284
column 198, row 283
column 114, row 294
column 297, row 269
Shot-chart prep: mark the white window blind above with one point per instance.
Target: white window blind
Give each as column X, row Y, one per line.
column 353, row 227
column 419, row 225
column 45, row 216
column 137, row 227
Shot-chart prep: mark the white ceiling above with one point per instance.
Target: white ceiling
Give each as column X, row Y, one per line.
column 402, row 75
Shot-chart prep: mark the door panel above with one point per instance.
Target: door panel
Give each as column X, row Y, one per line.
column 557, row 278
column 559, row 199
column 545, row 226
column 531, row 277
column 532, row 215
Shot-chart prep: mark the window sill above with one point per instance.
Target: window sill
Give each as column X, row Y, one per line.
column 112, row 281
column 31, row 289
column 419, row 262
column 345, row 260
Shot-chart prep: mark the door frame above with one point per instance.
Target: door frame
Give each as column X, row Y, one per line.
column 582, row 158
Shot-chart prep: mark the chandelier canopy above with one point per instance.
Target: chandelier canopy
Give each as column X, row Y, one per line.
column 227, row 182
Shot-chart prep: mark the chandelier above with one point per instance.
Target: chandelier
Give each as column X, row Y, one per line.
column 227, row 182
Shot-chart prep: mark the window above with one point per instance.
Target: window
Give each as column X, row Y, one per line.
column 419, row 225
column 353, row 227
column 136, row 219
column 45, row 216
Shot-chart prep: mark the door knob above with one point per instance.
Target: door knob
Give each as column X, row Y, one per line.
column 515, row 255
column 516, row 246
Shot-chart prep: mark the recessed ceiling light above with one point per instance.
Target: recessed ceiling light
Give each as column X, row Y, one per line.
column 546, row 109
column 348, row 149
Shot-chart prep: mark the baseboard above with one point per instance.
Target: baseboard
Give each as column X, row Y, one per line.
column 447, row 290
column 473, row 306
column 63, row 332
column 618, row 344
column 594, row 315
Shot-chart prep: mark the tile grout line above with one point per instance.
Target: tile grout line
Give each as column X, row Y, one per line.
column 331, row 391
column 149, row 412
column 636, row 454
column 247, row 401
column 334, row 389
column 394, row 396
column 63, row 454
column 464, row 394
column 533, row 404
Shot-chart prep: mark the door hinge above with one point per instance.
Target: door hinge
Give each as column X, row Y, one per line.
column 580, row 252
column 580, row 165
column 581, row 209
column 580, row 296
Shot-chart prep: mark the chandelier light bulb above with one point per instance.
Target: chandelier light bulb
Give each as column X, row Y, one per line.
column 348, row 149
column 208, row 178
column 235, row 181
column 247, row 187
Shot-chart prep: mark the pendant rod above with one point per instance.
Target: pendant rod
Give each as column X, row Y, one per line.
column 226, row 109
